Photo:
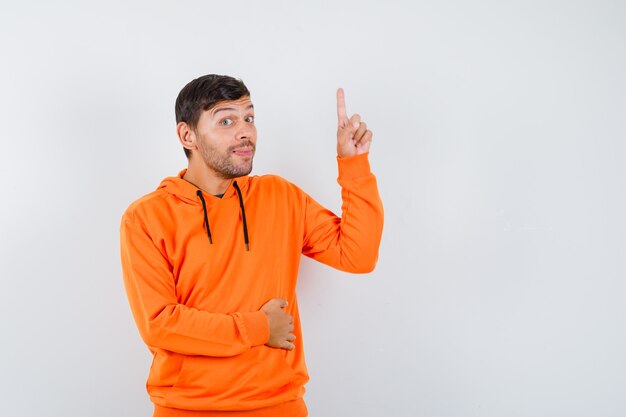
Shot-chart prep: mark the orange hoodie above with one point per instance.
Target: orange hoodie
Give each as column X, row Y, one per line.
column 195, row 286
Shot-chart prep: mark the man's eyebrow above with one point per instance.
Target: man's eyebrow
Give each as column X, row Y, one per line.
column 231, row 108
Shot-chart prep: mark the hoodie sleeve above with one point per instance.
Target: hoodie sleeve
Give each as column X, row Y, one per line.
column 169, row 325
column 349, row 243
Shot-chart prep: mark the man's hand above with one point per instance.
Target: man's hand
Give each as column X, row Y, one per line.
column 353, row 138
column 280, row 324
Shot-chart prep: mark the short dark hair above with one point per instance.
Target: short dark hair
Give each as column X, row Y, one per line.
column 203, row 94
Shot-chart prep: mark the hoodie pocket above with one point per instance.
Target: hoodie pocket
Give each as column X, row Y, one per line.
column 255, row 374
column 165, row 369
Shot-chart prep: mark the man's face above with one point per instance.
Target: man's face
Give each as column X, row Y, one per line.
column 226, row 137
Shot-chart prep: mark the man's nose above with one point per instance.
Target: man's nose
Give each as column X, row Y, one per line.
column 246, row 132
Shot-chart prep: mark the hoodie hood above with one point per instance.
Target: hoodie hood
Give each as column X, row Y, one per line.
column 191, row 194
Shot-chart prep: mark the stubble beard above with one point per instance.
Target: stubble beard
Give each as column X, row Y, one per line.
column 223, row 162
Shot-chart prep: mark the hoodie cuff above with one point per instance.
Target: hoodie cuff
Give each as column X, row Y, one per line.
column 354, row 167
column 257, row 327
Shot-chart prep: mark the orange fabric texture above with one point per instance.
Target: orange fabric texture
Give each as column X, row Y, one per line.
column 196, row 303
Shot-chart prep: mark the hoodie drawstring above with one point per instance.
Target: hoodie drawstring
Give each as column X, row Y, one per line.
column 206, row 219
column 243, row 216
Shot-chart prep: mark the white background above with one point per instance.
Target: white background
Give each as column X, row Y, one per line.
column 499, row 146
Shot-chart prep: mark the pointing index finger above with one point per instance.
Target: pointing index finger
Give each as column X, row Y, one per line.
column 341, row 107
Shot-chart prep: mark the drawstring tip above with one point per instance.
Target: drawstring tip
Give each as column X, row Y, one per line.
column 247, row 247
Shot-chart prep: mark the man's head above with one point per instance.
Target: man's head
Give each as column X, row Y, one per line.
column 215, row 123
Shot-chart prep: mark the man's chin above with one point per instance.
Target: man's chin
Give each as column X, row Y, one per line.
column 240, row 172
column 245, row 168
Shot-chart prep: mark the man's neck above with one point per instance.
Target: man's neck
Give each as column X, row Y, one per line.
column 206, row 179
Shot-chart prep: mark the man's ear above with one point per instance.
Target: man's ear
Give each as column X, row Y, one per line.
column 186, row 136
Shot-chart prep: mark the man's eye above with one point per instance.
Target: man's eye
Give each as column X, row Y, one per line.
column 250, row 118
column 226, row 122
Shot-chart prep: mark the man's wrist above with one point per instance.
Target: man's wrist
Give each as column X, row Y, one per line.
column 257, row 327
column 353, row 167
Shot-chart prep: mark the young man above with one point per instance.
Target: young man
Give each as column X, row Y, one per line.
column 210, row 259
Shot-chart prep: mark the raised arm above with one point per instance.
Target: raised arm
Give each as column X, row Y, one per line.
column 350, row 242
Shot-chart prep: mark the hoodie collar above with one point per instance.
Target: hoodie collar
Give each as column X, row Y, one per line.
column 186, row 191
column 191, row 194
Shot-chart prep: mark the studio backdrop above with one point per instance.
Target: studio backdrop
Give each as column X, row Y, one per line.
column 499, row 147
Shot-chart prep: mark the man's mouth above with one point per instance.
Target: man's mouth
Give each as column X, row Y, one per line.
column 245, row 151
